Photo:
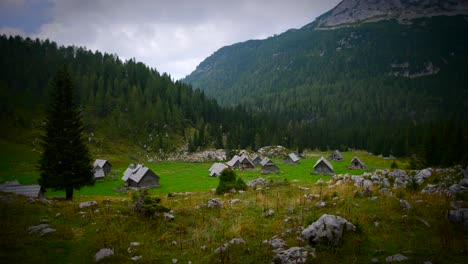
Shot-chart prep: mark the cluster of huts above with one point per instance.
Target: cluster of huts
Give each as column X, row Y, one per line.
column 135, row 176
column 323, row 166
column 244, row 162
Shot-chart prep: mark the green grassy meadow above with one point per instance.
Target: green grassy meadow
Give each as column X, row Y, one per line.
column 19, row 162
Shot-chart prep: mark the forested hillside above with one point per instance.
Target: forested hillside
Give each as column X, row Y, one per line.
column 129, row 107
column 382, row 86
column 122, row 102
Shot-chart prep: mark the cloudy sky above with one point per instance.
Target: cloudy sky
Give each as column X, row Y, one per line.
column 173, row 36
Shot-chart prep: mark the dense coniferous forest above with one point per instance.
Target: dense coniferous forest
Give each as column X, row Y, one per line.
column 130, row 103
column 386, row 87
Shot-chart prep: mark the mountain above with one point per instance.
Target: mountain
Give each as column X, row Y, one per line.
column 387, row 83
column 357, row 11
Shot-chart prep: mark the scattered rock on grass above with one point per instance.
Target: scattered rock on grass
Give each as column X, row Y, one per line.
column 269, row 213
column 276, row 243
column 459, row 216
column 294, row 255
column 406, row 205
column 327, row 229
column 103, row 253
column 397, row 257
column 168, row 216
column 234, row 241
column 87, row 204
column 136, row 258
column 42, row 229
column 233, row 201
column 257, row 182
column 214, row 202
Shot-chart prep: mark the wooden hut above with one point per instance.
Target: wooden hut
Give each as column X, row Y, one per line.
column 139, row 176
column 291, row 159
column 323, row 166
column 336, row 156
column 104, row 165
column 234, row 162
column 356, row 164
column 245, row 163
column 216, row 169
column 268, row 166
column 256, row 160
column 101, row 168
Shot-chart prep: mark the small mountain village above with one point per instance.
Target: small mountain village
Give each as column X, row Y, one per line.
column 343, row 140
column 140, row 177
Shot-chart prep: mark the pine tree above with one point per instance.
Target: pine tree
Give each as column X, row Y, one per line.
column 65, row 162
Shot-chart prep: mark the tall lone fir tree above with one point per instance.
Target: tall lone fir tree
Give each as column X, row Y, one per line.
column 65, row 163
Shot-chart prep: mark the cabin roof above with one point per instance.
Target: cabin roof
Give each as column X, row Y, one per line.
column 325, row 161
column 233, row 161
column 358, row 160
column 15, row 187
column 136, row 173
column 293, row 157
column 100, row 163
column 217, row 168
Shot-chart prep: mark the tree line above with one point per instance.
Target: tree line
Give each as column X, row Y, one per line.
column 128, row 101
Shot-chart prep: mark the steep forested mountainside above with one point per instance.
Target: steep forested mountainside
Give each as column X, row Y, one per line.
column 374, row 82
column 379, row 70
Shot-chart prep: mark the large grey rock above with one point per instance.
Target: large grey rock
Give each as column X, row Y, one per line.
column 422, row 175
column 397, row 257
column 214, row 202
column 459, row 216
column 257, row 182
column 103, row 253
column 294, row 255
column 327, row 229
column 87, row 204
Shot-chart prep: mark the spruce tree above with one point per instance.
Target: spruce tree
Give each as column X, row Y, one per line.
column 65, row 163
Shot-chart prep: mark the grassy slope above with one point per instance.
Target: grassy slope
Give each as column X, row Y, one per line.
column 79, row 236
column 82, row 232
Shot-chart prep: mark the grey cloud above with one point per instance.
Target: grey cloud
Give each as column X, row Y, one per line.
column 175, row 35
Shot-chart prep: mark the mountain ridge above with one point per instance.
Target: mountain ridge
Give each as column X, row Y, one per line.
column 349, row 12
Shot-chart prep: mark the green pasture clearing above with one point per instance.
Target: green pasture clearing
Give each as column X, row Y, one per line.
column 19, row 162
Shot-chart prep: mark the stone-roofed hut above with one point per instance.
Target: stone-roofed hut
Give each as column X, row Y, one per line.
column 245, row 163
column 356, row 164
column 139, row 176
column 234, row 162
column 292, row 158
column 323, row 166
column 336, row 156
column 256, row 160
column 101, row 168
column 268, row 166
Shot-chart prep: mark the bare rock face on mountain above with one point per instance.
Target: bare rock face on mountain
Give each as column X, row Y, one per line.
column 357, row 11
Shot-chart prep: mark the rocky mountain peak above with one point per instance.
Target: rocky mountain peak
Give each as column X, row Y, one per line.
column 357, row 11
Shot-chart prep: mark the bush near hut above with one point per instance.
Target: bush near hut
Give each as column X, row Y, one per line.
column 228, row 181
column 148, row 205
